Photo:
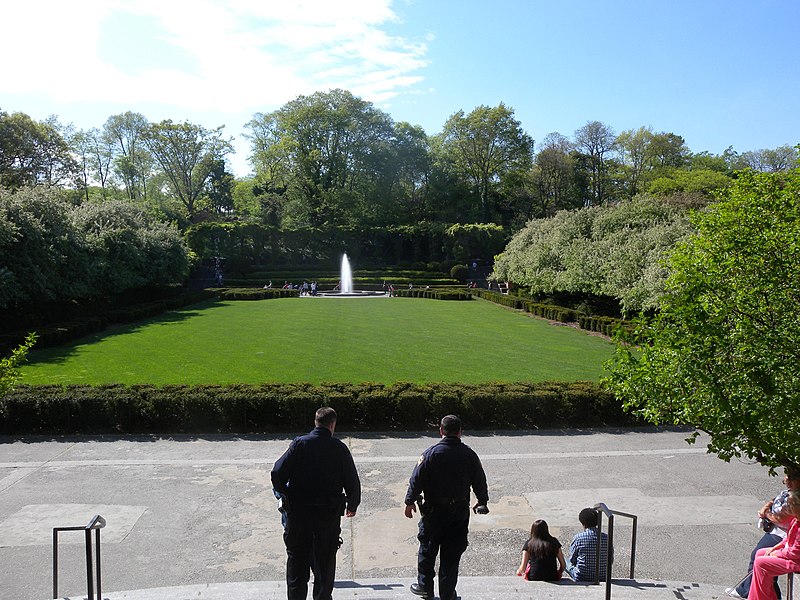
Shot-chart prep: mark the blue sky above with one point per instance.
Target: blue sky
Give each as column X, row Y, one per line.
column 717, row 72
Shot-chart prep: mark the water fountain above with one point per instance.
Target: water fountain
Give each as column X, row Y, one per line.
column 347, row 276
column 346, row 284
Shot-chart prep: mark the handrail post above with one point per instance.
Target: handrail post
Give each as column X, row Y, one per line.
column 97, row 523
column 97, row 556
column 89, row 577
column 634, row 527
column 602, row 509
column 55, row 563
column 609, row 550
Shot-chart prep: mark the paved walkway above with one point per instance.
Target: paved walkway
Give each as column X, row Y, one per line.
column 196, row 514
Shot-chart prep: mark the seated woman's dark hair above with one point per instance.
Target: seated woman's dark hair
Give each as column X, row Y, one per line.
column 541, row 544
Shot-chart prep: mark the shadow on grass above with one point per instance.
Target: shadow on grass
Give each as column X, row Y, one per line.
column 60, row 354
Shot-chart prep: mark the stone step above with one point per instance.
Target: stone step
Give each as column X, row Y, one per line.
column 478, row 588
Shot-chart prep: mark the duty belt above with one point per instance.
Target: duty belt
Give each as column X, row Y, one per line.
column 448, row 501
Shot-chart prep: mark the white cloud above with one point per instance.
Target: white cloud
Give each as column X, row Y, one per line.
column 235, row 55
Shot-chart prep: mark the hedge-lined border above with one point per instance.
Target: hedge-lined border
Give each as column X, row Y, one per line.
column 604, row 325
column 239, row 293
column 433, row 293
column 240, row 408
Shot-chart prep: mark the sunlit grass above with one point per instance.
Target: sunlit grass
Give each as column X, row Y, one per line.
column 327, row 340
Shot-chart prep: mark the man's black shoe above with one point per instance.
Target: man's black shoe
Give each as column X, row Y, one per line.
column 420, row 591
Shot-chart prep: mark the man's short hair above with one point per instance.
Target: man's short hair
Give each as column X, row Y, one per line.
column 451, row 425
column 588, row 517
column 792, row 472
column 324, row 417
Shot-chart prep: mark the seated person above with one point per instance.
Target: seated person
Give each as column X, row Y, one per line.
column 542, row 558
column 774, row 519
column 583, row 549
column 783, row 558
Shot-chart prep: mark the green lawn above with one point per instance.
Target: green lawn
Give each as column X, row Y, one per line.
column 327, row 340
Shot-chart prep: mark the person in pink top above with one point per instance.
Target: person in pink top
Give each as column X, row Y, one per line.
column 780, row 559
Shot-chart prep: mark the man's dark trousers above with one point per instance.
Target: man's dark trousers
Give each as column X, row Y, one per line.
column 312, row 539
column 444, row 531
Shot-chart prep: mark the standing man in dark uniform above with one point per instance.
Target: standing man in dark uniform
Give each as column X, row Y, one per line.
column 443, row 476
column 310, row 477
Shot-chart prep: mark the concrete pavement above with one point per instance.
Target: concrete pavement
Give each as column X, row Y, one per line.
column 196, row 514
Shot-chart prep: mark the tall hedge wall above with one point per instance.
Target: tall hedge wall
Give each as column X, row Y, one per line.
column 55, row 409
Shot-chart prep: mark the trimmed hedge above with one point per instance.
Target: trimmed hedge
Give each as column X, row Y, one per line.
column 434, row 293
column 239, row 408
column 605, row 325
column 254, row 293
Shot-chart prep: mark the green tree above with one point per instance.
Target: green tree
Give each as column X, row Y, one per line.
column 124, row 134
column 635, row 152
column 486, row 147
column 767, row 160
column 554, row 175
column 187, row 154
column 34, row 153
column 95, row 154
column 219, row 189
column 326, row 152
column 595, row 141
column 722, row 352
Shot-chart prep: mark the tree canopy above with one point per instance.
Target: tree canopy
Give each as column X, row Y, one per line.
column 613, row 250
column 722, row 352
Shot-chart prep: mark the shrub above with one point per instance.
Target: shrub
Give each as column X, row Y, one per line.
column 55, row 409
column 459, row 272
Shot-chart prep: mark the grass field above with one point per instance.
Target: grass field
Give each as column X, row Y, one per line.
column 327, row 340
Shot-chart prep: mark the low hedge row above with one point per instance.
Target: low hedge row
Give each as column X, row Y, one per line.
column 359, row 283
column 239, row 408
column 254, row 293
column 434, row 293
column 605, row 325
column 62, row 333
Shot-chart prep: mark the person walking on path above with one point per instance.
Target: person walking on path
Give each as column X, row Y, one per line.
column 318, row 482
column 441, row 484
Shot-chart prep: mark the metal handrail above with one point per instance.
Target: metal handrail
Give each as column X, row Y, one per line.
column 97, row 523
column 602, row 509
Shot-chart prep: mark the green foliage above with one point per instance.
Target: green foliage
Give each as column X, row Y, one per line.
column 34, row 153
column 485, row 148
column 320, row 154
column 255, row 293
column 614, row 251
column 722, row 352
column 705, row 181
column 434, row 294
column 474, row 240
column 9, row 365
column 189, row 155
column 459, row 273
column 52, row 251
column 607, row 326
column 240, row 408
